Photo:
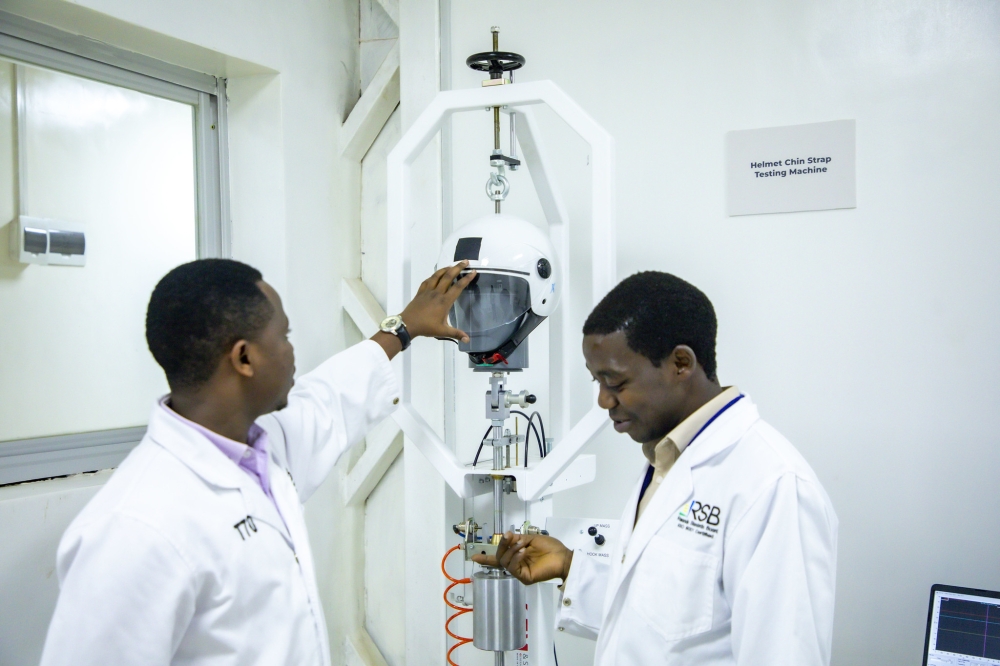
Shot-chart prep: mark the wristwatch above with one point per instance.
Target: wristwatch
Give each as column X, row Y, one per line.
column 395, row 325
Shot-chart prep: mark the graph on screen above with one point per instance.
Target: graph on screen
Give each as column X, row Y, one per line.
column 968, row 627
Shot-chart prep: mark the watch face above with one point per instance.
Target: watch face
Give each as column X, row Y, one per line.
column 390, row 324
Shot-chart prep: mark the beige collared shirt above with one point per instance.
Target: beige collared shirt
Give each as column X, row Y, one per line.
column 663, row 454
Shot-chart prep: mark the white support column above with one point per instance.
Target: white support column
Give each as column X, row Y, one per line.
column 382, row 445
column 419, row 42
column 560, row 333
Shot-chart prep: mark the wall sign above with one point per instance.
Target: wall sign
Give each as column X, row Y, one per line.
column 793, row 168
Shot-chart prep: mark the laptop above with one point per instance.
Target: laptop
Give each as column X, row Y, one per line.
column 963, row 627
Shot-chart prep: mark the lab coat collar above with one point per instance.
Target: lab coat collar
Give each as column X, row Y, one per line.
column 677, row 487
column 194, row 450
column 205, row 459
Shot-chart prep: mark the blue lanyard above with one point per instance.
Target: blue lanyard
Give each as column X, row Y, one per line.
column 649, row 472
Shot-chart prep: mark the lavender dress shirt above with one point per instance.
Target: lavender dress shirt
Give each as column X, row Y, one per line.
column 250, row 457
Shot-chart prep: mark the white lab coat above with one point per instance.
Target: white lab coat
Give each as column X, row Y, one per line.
column 752, row 584
column 182, row 559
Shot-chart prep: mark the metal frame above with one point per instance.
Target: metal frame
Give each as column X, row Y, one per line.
column 562, row 468
column 38, row 45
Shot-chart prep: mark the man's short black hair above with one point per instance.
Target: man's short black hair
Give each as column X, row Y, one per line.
column 658, row 311
column 198, row 311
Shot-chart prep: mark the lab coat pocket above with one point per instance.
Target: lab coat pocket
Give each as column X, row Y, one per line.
column 674, row 589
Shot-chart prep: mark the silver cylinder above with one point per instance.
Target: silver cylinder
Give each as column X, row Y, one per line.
column 499, row 616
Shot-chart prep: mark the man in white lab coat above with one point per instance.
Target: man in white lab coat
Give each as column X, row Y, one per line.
column 195, row 551
column 728, row 545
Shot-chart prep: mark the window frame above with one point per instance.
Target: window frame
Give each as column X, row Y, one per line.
column 34, row 44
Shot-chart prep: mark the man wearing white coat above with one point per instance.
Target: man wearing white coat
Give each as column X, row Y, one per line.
column 728, row 546
column 195, row 551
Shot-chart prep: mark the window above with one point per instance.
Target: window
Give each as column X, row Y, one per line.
column 120, row 158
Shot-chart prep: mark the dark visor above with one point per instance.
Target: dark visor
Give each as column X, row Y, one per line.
column 490, row 310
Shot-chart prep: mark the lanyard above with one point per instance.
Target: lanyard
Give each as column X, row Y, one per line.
column 649, row 471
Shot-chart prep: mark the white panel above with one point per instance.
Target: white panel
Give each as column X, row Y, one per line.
column 373, row 210
column 425, row 493
column 373, row 53
column 257, row 176
column 8, row 165
column 375, row 23
column 37, row 514
column 384, row 564
column 378, row 34
column 384, row 616
column 369, row 115
column 73, row 355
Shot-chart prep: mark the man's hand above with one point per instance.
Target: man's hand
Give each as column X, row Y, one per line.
column 427, row 313
column 530, row 558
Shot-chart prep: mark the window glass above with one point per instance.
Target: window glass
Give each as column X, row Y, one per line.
column 73, row 356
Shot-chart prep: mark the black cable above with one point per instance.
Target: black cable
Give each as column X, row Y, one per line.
column 554, row 655
column 481, row 443
column 531, row 427
column 541, row 424
column 541, row 441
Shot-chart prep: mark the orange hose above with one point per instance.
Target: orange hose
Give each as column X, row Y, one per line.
column 461, row 640
column 463, row 581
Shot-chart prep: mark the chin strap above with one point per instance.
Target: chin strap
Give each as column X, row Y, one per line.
column 504, row 351
column 496, row 358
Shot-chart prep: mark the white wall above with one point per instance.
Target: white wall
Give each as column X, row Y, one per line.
column 33, row 518
column 867, row 336
column 293, row 76
column 121, row 163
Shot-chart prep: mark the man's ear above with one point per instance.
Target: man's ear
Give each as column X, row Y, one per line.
column 239, row 358
column 683, row 361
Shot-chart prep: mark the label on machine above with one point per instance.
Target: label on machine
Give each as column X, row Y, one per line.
column 594, row 536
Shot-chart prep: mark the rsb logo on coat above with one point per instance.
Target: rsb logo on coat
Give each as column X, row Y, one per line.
column 700, row 518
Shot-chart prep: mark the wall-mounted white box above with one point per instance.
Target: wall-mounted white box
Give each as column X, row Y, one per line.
column 39, row 240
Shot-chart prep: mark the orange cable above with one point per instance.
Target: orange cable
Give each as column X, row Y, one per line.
column 461, row 640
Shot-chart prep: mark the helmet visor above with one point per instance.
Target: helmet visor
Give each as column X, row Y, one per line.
column 490, row 310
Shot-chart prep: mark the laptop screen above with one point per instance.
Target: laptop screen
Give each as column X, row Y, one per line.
column 963, row 627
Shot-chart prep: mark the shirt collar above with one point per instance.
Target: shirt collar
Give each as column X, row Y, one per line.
column 235, row 451
column 663, row 453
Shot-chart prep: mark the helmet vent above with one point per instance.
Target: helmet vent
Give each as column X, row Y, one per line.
column 468, row 248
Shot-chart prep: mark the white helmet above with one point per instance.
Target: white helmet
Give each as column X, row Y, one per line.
column 515, row 290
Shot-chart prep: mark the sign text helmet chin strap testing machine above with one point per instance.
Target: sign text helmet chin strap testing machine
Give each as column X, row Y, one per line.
column 519, row 284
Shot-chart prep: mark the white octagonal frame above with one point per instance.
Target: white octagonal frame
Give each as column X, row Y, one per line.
column 562, row 468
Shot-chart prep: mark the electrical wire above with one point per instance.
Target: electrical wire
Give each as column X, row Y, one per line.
column 461, row 640
column 481, row 443
column 541, row 424
column 531, row 428
column 531, row 425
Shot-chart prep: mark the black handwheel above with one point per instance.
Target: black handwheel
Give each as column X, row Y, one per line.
column 495, row 62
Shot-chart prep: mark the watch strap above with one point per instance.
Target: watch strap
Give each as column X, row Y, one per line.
column 403, row 335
